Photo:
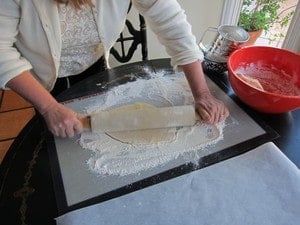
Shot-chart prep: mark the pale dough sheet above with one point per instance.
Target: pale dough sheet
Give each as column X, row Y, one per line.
column 146, row 137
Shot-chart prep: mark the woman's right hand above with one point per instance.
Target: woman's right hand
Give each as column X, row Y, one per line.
column 62, row 121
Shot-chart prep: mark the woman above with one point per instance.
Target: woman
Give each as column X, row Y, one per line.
column 44, row 42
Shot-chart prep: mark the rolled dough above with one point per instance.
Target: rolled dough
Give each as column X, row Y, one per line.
column 145, row 137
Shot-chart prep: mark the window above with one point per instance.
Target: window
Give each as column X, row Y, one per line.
column 291, row 41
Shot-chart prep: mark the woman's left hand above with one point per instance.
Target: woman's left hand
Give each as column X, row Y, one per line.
column 210, row 109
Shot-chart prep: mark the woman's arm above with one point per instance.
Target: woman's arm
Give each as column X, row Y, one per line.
column 60, row 120
column 14, row 74
column 168, row 21
column 209, row 108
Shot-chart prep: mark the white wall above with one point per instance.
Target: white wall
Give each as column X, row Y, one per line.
column 292, row 40
column 200, row 13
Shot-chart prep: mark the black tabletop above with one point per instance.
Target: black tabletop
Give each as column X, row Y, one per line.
column 26, row 191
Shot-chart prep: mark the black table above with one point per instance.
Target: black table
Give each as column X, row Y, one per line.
column 27, row 195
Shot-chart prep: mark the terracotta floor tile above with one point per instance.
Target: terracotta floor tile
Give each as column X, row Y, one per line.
column 12, row 101
column 11, row 123
column 4, row 146
column 1, row 92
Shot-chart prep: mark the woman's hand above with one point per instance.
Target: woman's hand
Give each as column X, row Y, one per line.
column 210, row 109
column 62, row 121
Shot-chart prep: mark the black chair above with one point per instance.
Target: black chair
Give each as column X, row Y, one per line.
column 137, row 36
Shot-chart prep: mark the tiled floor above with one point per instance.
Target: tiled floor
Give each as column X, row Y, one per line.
column 15, row 112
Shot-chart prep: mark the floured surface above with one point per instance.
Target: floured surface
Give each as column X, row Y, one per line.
column 124, row 153
column 80, row 184
column 271, row 79
column 114, row 157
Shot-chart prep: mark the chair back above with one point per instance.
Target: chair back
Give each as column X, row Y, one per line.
column 136, row 37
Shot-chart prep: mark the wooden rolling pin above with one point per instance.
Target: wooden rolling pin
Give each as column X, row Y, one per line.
column 140, row 116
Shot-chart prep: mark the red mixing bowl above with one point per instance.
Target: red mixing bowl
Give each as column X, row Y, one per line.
column 266, row 78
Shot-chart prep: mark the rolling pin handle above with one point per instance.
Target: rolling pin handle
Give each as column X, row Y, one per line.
column 86, row 123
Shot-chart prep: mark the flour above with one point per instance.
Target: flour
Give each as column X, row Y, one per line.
column 271, row 78
column 112, row 157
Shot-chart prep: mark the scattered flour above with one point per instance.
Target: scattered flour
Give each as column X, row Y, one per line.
column 113, row 157
column 271, row 78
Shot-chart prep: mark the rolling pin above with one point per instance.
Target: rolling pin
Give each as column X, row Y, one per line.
column 140, row 117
